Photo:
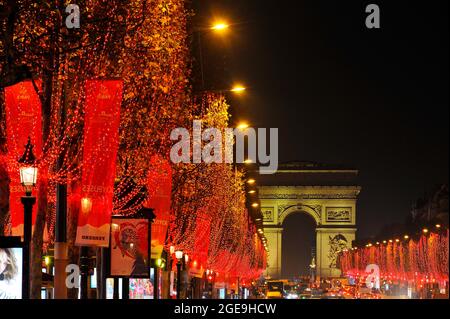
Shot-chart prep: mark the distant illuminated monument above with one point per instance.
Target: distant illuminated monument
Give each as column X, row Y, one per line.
column 327, row 193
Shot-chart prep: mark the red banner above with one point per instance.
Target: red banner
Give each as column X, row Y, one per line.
column 101, row 140
column 23, row 120
column 159, row 186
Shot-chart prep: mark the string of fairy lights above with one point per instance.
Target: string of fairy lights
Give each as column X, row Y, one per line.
column 144, row 43
column 421, row 259
column 230, row 244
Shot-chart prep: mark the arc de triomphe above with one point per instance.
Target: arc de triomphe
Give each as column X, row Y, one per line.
column 327, row 193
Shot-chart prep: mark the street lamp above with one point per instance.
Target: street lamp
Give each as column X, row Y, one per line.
column 243, row 126
column 179, row 257
column 179, row 254
column 220, row 26
column 238, row 89
column 28, row 171
column 28, row 178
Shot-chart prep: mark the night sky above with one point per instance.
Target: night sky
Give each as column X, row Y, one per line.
column 340, row 93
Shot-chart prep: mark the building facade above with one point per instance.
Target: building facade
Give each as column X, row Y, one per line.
column 327, row 193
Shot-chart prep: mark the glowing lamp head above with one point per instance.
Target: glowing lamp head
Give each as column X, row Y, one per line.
column 28, row 171
column 186, row 258
column 255, row 205
column 220, row 26
column 252, row 191
column 28, row 175
column 243, row 126
column 172, row 250
column 238, row 89
column 179, row 255
column 425, row 230
column 86, row 205
column 406, row 236
column 251, row 181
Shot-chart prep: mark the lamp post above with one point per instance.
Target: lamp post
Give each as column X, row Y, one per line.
column 28, row 177
column 219, row 27
column 179, row 257
column 312, row 268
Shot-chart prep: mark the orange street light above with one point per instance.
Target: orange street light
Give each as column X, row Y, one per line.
column 255, row 205
column 220, row 26
column 243, row 126
column 251, row 181
column 238, row 89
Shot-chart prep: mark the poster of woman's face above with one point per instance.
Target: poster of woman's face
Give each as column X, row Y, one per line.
column 10, row 273
column 130, row 248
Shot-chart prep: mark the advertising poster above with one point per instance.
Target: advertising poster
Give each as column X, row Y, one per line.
column 142, row 288
column 101, row 141
column 159, row 184
column 10, row 273
column 130, row 255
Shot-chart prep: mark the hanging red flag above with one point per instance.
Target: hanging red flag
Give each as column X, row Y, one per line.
column 101, row 140
column 23, row 120
column 159, row 185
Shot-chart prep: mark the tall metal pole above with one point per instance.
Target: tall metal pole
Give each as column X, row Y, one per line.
column 28, row 202
column 61, row 249
column 239, row 287
column 116, row 288
column 125, row 288
column 84, row 269
column 156, row 288
column 178, row 279
column 200, row 48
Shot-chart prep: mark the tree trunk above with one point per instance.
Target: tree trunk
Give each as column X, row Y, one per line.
column 39, row 227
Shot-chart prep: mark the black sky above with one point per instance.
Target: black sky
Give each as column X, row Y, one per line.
column 341, row 93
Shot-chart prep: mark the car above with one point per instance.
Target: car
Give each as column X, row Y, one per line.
column 274, row 295
column 291, row 295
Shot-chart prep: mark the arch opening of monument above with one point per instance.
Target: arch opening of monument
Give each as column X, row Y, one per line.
column 298, row 245
column 327, row 194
